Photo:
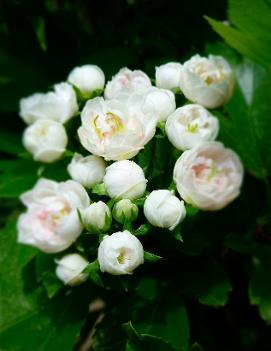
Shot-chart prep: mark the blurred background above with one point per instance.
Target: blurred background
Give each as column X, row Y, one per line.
column 41, row 41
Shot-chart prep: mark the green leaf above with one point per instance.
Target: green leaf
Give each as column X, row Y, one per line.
column 10, row 143
column 165, row 319
column 28, row 320
column 93, row 270
column 252, row 17
column 150, row 257
column 247, row 127
column 260, row 286
column 39, row 28
column 99, row 189
column 143, row 229
column 45, row 270
column 252, row 47
column 147, row 288
column 206, row 280
column 16, row 176
column 14, row 303
column 54, row 325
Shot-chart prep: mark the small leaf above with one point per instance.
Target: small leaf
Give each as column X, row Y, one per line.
column 93, row 270
column 150, row 257
column 99, row 189
column 39, row 27
column 143, row 229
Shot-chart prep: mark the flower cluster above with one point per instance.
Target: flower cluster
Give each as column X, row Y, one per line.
column 113, row 129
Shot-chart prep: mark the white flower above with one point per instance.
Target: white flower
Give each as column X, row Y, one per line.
column 190, row 126
column 120, row 253
column 69, row 269
column 163, row 209
column 209, row 176
column 168, row 76
column 163, row 102
column 124, row 210
column 97, row 217
column 113, row 130
column 125, row 180
column 207, row 81
column 87, row 78
column 51, row 222
column 59, row 105
column 46, row 140
column 87, row 171
column 126, row 78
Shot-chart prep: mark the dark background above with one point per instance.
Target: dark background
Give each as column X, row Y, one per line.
column 41, row 41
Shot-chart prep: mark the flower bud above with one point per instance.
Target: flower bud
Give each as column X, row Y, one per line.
column 120, row 253
column 125, row 211
column 207, row 81
column 190, row 126
column 87, row 78
column 162, row 101
column 125, row 180
column 168, row 76
column 97, row 217
column 163, row 209
column 59, row 105
column 208, row 176
column 46, row 140
column 69, row 269
column 87, row 171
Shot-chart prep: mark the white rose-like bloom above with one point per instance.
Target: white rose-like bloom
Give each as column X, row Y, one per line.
column 209, row 176
column 190, row 126
column 87, row 78
column 113, row 130
column 167, row 76
column 207, row 81
column 163, row 209
column 69, row 269
column 46, row 140
column 125, row 180
column 59, row 105
column 87, row 171
column 126, row 78
column 51, row 222
column 97, row 217
column 163, row 102
column 120, row 253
